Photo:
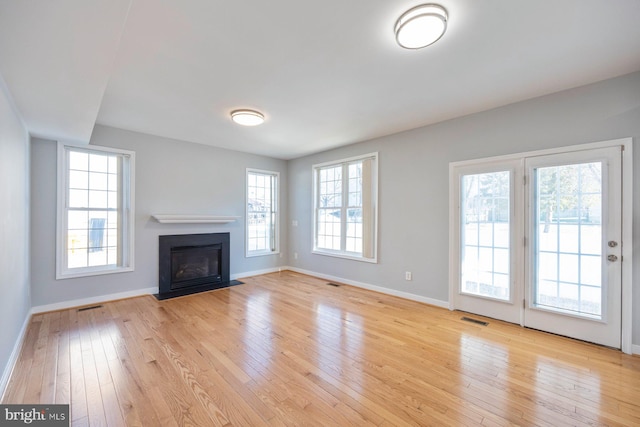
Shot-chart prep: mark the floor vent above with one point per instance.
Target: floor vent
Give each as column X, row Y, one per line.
column 333, row 284
column 476, row 321
column 89, row 308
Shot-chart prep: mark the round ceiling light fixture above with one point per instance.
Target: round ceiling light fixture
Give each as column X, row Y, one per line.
column 421, row 26
column 247, row 117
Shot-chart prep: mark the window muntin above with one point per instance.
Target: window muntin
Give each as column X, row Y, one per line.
column 262, row 213
column 345, row 208
column 95, row 211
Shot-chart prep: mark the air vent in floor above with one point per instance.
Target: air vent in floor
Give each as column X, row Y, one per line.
column 476, row 321
column 89, row 308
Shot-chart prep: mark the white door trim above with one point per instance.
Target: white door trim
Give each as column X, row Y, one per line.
column 627, row 246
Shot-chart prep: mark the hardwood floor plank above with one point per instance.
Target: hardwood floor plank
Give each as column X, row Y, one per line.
column 130, row 398
column 17, row 386
column 79, row 410
column 49, row 377
column 63, row 368
column 94, row 402
column 34, row 389
column 285, row 349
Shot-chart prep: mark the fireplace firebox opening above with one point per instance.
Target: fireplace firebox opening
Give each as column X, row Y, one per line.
column 190, row 263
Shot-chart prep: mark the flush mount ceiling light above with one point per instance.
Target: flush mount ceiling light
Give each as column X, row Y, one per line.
column 421, row 26
column 247, row 117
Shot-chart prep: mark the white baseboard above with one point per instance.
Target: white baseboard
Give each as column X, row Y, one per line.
column 635, row 349
column 13, row 359
column 239, row 276
column 381, row 289
column 145, row 291
column 92, row 300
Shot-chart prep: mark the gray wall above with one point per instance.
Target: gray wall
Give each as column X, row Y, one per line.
column 14, row 229
column 171, row 177
column 414, row 211
column 414, row 198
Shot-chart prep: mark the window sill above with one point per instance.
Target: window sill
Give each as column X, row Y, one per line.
column 344, row 256
column 256, row 253
column 91, row 272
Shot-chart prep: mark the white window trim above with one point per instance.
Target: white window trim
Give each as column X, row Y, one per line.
column 374, row 191
column 627, row 223
column 128, row 217
column 265, row 252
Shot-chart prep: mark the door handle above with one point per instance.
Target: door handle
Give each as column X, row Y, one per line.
column 612, row 258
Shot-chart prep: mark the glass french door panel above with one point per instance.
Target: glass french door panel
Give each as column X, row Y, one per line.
column 568, row 239
column 485, row 235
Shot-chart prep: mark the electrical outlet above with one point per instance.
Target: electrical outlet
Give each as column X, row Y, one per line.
column 408, row 275
column 295, row 255
column 294, row 223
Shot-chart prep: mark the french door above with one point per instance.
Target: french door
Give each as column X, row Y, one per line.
column 488, row 234
column 574, row 230
column 539, row 242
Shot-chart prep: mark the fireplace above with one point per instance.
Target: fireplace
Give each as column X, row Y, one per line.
column 190, row 263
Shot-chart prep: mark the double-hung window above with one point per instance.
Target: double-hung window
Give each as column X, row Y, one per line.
column 95, row 211
column 345, row 208
column 262, row 213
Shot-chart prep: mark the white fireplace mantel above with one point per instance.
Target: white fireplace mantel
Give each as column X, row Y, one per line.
column 194, row 219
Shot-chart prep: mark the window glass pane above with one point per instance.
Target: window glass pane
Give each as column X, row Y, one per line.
column 355, row 184
column 261, row 212
column 97, row 257
column 78, row 179
column 329, row 229
column 112, row 200
column 112, row 237
column 345, row 202
column 112, row 167
column 77, row 258
column 112, row 219
column 112, row 255
column 92, row 235
column 568, row 268
column 78, row 239
column 590, row 299
column 78, row 220
column 98, row 199
column 354, row 230
column 98, row 162
column 331, row 187
column 485, row 235
column 501, row 261
column 98, row 181
column 550, row 262
column 568, row 236
column 590, row 270
column 78, row 198
column 78, row 161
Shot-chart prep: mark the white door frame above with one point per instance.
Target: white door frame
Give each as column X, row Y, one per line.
column 627, row 220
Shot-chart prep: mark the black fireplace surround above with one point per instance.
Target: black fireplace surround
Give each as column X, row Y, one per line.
column 190, row 263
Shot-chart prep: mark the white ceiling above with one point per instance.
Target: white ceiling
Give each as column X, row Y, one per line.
column 324, row 73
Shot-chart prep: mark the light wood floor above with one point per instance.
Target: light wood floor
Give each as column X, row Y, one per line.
column 288, row 349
